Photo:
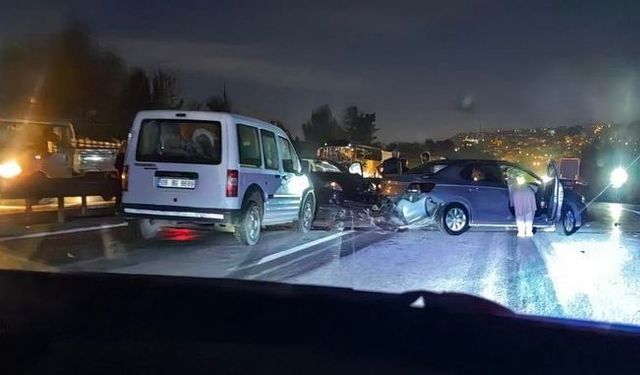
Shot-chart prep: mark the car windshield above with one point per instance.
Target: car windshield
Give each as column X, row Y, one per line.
column 485, row 148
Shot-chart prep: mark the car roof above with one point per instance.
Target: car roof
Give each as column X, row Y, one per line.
column 462, row 162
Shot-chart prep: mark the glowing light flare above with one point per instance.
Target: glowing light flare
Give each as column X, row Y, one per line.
column 10, row 169
column 298, row 184
column 615, row 210
column 618, row 177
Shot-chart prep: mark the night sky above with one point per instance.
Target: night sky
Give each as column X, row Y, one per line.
column 518, row 64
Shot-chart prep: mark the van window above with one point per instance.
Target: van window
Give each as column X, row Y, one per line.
column 269, row 149
column 290, row 162
column 179, row 141
column 249, row 146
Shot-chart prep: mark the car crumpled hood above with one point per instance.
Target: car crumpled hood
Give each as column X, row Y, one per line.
column 395, row 185
column 348, row 182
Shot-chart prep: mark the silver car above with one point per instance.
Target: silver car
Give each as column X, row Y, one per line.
column 448, row 194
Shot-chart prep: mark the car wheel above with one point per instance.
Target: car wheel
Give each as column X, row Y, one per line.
column 455, row 219
column 248, row 229
column 568, row 221
column 148, row 228
column 307, row 213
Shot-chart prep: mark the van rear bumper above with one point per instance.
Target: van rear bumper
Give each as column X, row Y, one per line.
column 179, row 213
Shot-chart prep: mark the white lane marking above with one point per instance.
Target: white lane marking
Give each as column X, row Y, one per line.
column 295, row 249
column 64, row 231
column 288, row 263
column 630, row 210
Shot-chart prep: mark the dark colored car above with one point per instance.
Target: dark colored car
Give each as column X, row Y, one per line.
column 445, row 193
column 340, row 195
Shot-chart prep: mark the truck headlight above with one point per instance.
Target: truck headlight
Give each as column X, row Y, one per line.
column 10, row 169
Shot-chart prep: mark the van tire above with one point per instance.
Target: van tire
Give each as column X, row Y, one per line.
column 247, row 231
column 307, row 213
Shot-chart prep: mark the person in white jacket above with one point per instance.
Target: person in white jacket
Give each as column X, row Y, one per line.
column 522, row 198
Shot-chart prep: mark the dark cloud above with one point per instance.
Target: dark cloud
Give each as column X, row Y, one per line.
column 528, row 63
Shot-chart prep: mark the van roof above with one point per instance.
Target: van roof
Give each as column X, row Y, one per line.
column 207, row 114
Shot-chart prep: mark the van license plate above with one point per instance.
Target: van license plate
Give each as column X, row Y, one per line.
column 176, row 183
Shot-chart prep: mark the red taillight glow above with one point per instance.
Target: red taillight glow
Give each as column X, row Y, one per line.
column 124, row 178
column 179, row 234
column 232, row 183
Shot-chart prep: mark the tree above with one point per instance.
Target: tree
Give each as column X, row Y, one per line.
column 164, row 90
column 219, row 103
column 196, row 105
column 361, row 127
column 281, row 125
column 322, row 127
column 65, row 75
column 135, row 96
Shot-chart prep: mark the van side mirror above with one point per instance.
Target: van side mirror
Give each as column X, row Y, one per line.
column 355, row 168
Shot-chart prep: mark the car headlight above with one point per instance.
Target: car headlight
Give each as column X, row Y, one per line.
column 10, row 169
column 618, row 177
column 333, row 186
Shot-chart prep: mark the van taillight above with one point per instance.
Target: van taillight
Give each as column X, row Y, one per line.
column 124, row 178
column 232, row 183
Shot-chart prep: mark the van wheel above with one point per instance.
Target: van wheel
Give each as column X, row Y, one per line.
column 248, row 229
column 307, row 213
column 148, row 228
column 455, row 219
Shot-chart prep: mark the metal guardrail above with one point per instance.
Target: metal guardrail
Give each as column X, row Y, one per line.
column 105, row 184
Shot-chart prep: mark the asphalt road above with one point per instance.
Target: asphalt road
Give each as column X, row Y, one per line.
column 593, row 274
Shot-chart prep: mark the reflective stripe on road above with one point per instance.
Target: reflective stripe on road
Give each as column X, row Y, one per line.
column 63, row 231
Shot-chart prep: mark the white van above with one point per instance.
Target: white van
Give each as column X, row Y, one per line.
column 227, row 171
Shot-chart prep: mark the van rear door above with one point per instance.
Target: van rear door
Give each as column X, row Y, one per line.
column 177, row 162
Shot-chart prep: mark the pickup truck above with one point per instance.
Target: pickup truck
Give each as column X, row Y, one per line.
column 45, row 159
